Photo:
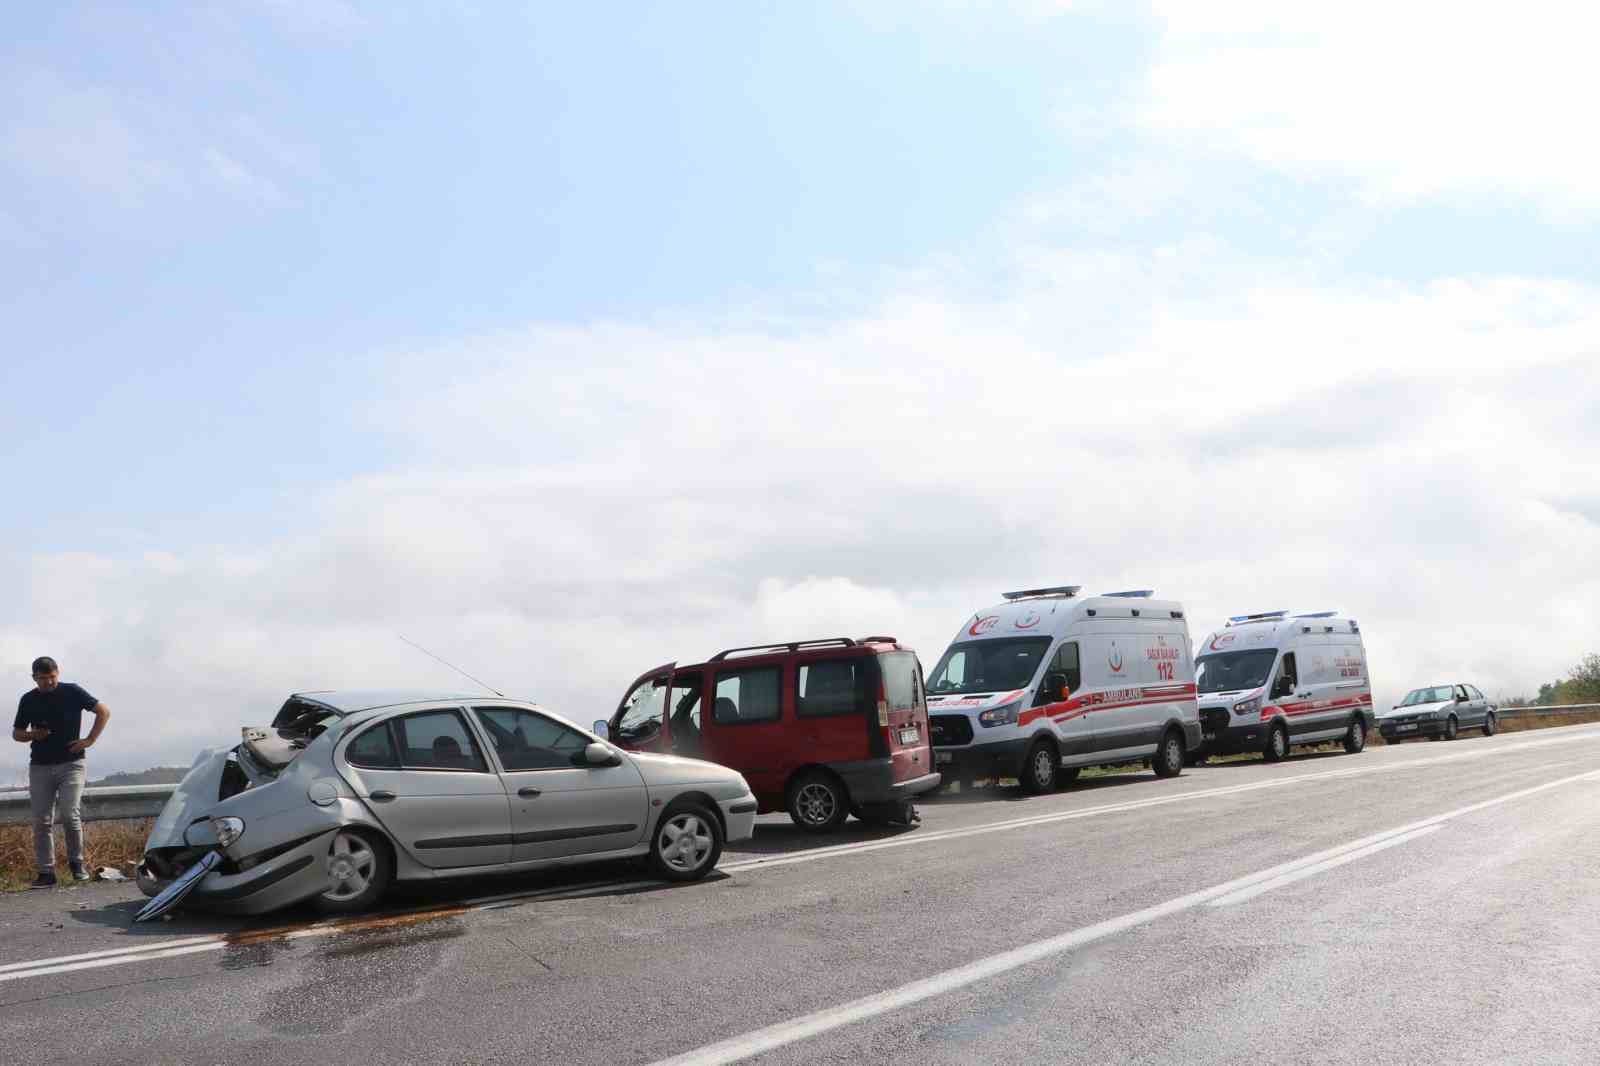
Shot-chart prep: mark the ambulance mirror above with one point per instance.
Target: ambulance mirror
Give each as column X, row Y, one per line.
column 1055, row 684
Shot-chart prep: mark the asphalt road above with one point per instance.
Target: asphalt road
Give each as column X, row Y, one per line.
column 1427, row 903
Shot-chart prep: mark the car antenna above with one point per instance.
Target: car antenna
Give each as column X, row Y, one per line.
column 451, row 665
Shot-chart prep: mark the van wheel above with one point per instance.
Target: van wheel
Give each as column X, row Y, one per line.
column 1356, row 739
column 1066, row 775
column 1168, row 761
column 1277, row 748
column 1489, row 725
column 1039, row 768
column 687, row 843
column 1451, row 728
column 359, row 871
column 818, row 801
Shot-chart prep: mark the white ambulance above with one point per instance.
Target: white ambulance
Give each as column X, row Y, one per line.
column 1271, row 680
column 1046, row 683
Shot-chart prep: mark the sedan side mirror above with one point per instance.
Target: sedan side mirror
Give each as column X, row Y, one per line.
column 600, row 755
column 601, row 729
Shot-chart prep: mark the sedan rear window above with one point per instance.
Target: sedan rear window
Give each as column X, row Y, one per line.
column 437, row 740
column 373, row 749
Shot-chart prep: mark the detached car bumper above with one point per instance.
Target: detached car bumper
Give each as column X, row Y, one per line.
column 286, row 878
column 739, row 817
column 871, row 781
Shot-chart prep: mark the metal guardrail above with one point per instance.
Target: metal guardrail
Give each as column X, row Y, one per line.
column 146, row 801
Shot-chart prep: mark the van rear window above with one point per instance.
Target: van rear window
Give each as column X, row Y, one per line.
column 902, row 685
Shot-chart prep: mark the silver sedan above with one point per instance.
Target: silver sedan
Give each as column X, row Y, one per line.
column 345, row 793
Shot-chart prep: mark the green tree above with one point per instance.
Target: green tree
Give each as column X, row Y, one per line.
column 1583, row 682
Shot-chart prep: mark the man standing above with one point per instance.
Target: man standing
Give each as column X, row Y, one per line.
column 50, row 717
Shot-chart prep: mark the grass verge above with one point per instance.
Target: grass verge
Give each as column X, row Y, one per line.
column 111, row 843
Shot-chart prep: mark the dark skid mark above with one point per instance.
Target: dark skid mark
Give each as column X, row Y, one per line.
column 358, row 972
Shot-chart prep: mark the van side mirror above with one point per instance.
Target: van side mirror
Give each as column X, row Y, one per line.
column 1055, row 685
column 1282, row 687
column 601, row 729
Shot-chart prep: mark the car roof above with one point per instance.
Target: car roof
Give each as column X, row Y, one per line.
column 350, row 701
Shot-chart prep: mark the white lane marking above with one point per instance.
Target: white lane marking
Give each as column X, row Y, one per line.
column 168, row 948
column 738, row 1048
column 1245, row 894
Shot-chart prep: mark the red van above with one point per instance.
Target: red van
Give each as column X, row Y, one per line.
column 820, row 728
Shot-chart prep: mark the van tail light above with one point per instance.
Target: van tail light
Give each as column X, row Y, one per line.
column 883, row 713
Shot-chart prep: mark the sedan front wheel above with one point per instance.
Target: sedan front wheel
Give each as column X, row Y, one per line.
column 687, row 843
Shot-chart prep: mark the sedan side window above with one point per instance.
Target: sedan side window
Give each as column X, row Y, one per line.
column 525, row 740
column 373, row 750
column 437, row 740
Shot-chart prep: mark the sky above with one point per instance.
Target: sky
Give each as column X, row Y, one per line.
column 568, row 340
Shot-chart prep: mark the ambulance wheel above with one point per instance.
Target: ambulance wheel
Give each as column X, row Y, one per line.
column 1038, row 774
column 1066, row 775
column 1277, row 748
column 1489, row 725
column 1451, row 728
column 1168, row 760
column 1356, row 738
column 818, row 801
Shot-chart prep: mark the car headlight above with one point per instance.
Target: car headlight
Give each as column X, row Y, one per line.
column 1005, row 714
column 1249, row 706
column 228, row 830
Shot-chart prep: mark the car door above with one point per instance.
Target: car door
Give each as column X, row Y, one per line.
column 425, row 778
column 1119, row 718
column 560, row 804
column 640, row 720
column 745, row 729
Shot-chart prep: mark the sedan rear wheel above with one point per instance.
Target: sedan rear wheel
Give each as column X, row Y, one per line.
column 359, row 871
column 1489, row 725
column 1451, row 728
column 687, row 844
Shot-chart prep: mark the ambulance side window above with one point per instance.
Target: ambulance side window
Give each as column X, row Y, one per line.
column 1063, row 665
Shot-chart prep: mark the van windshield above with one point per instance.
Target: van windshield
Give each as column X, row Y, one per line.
column 987, row 665
column 1229, row 671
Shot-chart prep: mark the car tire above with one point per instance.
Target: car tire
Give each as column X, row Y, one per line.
column 1490, row 725
column 1277, row 748
column 686, row 844
column 1066, row 775
column 1451, row 728
column 1037, row 775
column 818, row 801
column 1355, row 738
column 360, row 867
column 1168, row 759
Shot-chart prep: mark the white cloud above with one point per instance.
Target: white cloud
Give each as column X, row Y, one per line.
column 1412, row 101
column 594, row 501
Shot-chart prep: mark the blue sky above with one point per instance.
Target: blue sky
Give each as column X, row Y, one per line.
column 280, row 275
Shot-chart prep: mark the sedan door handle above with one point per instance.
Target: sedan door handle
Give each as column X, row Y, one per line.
column 529, row 792
column 382, row 795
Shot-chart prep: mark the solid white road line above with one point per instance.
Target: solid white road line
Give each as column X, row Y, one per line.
column 816, row 1023
column 1262, row 887
column 216, row 941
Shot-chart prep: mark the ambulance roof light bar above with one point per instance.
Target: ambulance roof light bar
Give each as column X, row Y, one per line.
column 1058, row 590
column 1264, row 616
column 1132, row 594
column 1319, row 614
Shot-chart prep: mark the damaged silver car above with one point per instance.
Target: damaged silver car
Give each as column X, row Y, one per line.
column 345, row 793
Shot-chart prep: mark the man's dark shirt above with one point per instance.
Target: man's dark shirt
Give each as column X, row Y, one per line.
column 61, row 711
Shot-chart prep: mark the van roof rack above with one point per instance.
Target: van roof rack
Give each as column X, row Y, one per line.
column 1055, row 590
column 844, row 642
column 1132, row 594
column 1319, row 614
column 1263, row 616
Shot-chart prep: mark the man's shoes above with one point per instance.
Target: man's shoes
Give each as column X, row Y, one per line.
column 80, row 872
column 46, row 879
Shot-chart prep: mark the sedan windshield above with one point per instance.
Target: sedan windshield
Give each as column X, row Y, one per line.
column 1229, row 671
column 987, row 665
column 1436, row 694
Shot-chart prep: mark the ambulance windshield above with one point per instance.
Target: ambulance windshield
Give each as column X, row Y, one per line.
column 987, row 665
column 1230, row 671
